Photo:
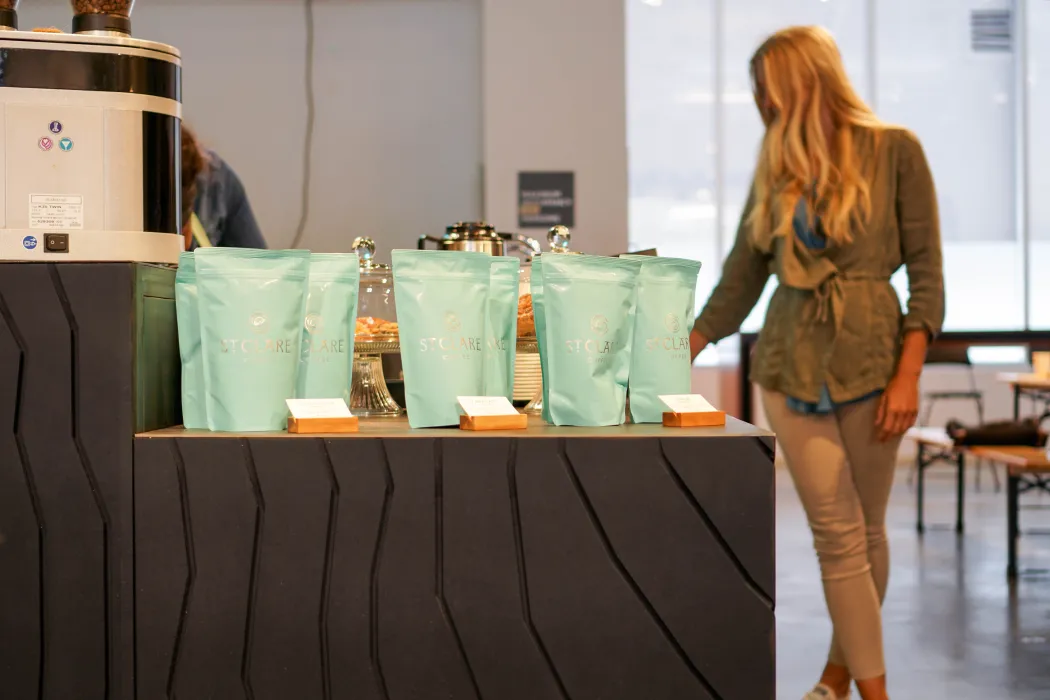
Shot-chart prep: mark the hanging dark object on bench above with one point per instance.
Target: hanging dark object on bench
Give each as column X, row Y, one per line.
column 1024, row 433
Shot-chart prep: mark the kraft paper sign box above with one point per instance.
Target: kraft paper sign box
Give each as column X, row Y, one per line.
column 691, row 411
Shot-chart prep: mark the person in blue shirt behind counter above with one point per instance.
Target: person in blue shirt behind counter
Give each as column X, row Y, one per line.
column 215, row 207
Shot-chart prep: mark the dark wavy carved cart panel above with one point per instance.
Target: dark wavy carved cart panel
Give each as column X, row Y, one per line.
column 454, row 568
column 86, row 359
column 564, row 564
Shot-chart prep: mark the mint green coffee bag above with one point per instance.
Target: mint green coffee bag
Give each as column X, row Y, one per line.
column 536, row 289
column 660, row 360
column 441, row 298
column 589, row 307
column 194, row 409
column 501, row 327
column 252, row 304
column 327, row 355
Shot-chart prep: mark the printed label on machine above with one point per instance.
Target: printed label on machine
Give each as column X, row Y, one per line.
column 56, row 211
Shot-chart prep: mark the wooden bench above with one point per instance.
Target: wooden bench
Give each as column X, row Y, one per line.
column 1027, row 469
column 933, row 446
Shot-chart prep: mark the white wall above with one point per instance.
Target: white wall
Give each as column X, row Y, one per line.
column 554, row 99
column 397, row 147
column 405, row 114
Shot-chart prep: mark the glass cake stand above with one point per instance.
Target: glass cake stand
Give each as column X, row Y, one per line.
column 369, row 395
column 375, row 336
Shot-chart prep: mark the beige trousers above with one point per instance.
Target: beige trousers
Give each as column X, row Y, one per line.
column 843, row 475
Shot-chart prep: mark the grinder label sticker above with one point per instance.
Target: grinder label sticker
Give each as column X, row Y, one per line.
column 56, row 211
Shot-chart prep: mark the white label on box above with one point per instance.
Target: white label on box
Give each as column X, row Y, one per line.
column 475, row 406
column 318, row 408
column 56, row 212
column 688, row 403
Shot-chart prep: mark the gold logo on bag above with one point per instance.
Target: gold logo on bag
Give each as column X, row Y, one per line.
column 676, row 344
column 258, row 322
column 314, row 323
column 598, row 352
column 454, row 343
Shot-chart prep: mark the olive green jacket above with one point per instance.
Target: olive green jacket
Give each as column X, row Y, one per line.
column 834, row 319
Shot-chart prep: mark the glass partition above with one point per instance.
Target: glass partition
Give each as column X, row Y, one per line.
column 947, row 70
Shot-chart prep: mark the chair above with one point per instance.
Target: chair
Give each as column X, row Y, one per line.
column 957, row 355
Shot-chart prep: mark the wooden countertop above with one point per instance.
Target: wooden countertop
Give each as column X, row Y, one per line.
column 398, row 428
column 1015, row 457
column 1024, row 381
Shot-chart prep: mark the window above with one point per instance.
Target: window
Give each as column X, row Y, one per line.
column 675, row 201
column 670, row 132
column 939, row 76
column 1038, row 147
column 944, row 69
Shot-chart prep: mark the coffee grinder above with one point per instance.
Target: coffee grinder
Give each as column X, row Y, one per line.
column 90, row 137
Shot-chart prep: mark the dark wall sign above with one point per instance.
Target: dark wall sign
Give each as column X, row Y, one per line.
column 546, row 199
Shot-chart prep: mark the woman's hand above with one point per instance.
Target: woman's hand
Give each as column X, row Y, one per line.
column 900, row 401
column 697, row 343
column 898, row 407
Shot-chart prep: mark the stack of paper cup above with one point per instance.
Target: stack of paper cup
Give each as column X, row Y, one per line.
column 527, row 376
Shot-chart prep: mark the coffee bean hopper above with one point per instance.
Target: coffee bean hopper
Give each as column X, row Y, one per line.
column 91, row 140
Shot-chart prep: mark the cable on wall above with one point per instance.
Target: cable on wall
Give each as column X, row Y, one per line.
column 308, row 141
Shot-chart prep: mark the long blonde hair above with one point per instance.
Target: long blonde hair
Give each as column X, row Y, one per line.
column 798, row 77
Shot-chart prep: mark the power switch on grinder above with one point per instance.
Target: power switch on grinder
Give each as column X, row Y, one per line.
column 56, row 243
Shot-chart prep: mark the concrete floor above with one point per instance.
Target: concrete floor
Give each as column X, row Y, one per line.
column 954, row 628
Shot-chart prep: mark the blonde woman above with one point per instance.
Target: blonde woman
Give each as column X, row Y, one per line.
column 839, row 202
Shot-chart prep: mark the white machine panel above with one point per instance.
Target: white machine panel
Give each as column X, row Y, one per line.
column 89, row 147
column 123, row 145
column 90, row 246
column 55, row 168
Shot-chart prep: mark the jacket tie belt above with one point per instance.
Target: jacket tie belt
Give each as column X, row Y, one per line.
column 830, row 296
